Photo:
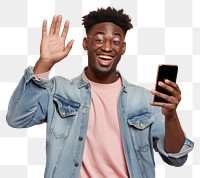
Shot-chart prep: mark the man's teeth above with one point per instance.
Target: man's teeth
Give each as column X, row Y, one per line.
column 105, row 57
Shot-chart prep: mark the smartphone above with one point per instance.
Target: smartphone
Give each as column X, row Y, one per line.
column 165, row 71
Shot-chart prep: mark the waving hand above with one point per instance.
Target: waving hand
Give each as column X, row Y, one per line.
column 52, row 48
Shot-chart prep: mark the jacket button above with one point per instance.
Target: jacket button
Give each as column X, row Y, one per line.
column 80, row 138
column 87, row 87
column 142, row 124
column 76, row 164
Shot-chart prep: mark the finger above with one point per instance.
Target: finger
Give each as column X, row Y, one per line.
column 65, row 29
column 171, row 87
column 44, row 29
column 174, row 85
column 167, row 87
column 170, row 83
column 58, row 24
column 53, row 25
column 170, row 99
column 69, row 47
column 161, row 95
column 164, row 105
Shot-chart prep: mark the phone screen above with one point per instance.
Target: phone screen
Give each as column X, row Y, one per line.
column 165, row 72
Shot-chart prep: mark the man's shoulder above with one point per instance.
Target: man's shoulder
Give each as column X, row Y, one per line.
column 61, row 79
column 62, row 82
column 135, row 87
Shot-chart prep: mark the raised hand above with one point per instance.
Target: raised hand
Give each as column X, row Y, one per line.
column 52, row 48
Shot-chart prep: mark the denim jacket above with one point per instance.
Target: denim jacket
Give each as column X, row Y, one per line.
column 65, row 105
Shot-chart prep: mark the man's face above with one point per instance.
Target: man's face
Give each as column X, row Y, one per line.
column 105, row 45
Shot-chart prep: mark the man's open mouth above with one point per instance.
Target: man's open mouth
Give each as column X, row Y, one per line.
column 105, row 60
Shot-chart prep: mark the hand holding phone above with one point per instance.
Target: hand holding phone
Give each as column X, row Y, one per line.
column 165, row 72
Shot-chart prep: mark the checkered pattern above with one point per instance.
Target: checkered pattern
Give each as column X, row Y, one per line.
column 165, row 31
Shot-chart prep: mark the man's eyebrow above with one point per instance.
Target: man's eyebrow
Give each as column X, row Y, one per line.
column 103, row 33
column 116, row 33
column 99, row 33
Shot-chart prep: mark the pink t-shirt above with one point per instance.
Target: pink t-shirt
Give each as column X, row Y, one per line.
column 103, row 154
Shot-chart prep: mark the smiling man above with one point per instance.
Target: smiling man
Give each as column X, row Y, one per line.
column 105, row 45
column 98, row 124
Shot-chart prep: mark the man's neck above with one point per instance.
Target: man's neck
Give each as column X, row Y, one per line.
column 103, row 79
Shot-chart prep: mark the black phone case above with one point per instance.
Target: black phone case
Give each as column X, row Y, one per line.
column 165, row 72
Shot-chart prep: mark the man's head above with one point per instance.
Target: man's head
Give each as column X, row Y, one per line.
column 107, row 15
column 105, row 42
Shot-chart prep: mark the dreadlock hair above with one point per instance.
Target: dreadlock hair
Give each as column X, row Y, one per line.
column 107, row 15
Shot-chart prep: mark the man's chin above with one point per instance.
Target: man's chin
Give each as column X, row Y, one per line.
column 104, row 71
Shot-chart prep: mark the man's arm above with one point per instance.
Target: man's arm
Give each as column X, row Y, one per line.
column 29, row 102
column 174, row 136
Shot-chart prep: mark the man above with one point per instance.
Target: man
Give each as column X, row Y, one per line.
column 98, row 124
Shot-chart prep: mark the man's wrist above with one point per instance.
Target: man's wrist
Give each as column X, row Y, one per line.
column 172, row 117
column 41, row 67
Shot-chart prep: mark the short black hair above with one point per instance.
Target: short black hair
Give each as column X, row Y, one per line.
column 118, row 17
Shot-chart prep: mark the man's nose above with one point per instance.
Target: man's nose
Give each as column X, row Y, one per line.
column 107, row 46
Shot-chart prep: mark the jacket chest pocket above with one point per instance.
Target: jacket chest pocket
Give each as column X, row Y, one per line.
column 65, row 112
column 140, row 124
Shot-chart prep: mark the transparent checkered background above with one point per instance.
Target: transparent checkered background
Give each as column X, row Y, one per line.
column 165, row 31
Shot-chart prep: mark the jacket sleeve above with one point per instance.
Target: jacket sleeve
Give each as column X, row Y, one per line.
column 174, row 159
column 28, row 104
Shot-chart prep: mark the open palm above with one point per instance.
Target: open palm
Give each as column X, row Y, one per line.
column 52, row 48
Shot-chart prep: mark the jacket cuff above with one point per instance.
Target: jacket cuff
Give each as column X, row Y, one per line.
column 29, row 75
column 187, row 147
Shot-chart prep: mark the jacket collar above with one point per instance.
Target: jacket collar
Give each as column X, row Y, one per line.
column 83, row 83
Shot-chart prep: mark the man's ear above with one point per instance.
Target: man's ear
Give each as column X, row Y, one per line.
column 85, row 43
column 123, row 48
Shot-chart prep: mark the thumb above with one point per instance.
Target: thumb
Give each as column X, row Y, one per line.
column 69, row 47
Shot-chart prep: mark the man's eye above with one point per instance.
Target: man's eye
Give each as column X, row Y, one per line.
column 99, row 41
column 115, row 42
